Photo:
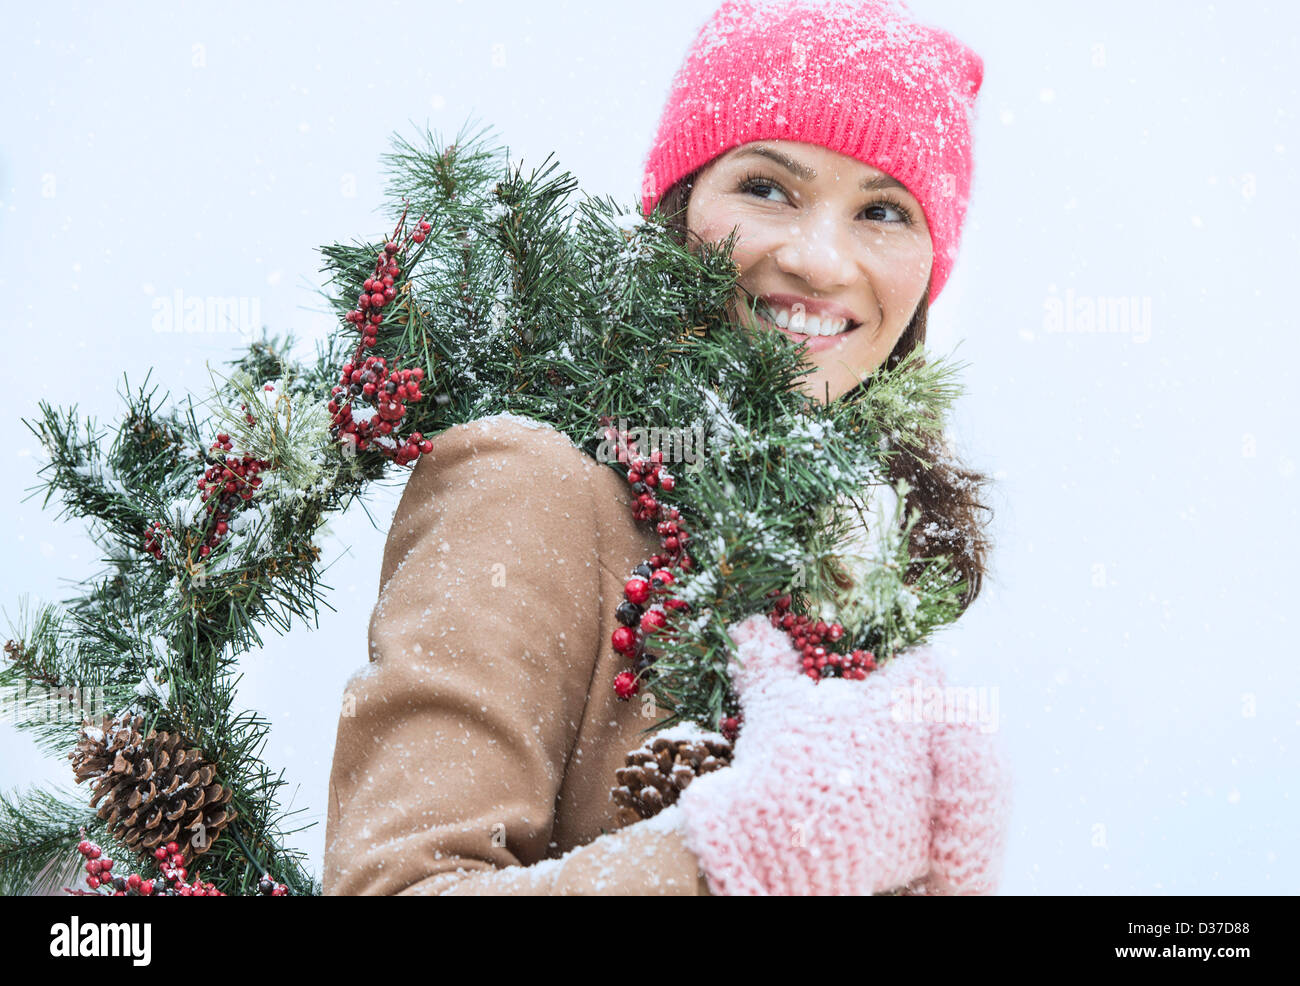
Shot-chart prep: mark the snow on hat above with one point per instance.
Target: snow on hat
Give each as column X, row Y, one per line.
column 861, row 78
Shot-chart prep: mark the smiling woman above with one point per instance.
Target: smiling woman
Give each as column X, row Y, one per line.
column 871, row 247
column 833, row 140
column 476, row 753
column 833, row 252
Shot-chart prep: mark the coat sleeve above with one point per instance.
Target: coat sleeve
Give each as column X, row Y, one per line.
column 453, row 741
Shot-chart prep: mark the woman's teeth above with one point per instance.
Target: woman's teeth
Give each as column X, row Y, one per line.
column 813, row 325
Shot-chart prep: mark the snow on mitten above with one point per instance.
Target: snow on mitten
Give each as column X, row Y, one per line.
column 829, row 791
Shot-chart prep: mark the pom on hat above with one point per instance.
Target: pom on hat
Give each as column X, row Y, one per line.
column 860, row 78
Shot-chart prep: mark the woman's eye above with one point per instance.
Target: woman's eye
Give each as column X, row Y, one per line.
column 756, row 186
column 880, row 210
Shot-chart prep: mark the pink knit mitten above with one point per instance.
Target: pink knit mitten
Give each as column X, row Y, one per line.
column 836, row 787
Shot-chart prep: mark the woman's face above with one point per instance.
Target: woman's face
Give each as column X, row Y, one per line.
column 825, row 243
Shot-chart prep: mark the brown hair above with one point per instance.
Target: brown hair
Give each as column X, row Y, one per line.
column 954, row 518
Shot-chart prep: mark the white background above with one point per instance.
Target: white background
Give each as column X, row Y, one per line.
column 1136, row 623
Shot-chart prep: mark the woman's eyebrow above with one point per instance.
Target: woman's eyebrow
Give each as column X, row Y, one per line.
column 882, row 181
column 805, row 173
column 801, row 171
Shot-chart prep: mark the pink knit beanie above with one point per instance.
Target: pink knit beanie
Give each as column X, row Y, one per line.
column 861, row 78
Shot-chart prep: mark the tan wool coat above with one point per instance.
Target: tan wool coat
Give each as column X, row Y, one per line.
column 477, row 749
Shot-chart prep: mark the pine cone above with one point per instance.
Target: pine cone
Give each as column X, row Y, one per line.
column 154, row 788
column 660, row 770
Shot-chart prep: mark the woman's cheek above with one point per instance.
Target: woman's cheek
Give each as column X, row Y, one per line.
column 753, row 244
column 914, row 268
column 901, row 283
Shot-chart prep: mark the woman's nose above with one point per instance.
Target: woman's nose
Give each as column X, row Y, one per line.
column 818, row 250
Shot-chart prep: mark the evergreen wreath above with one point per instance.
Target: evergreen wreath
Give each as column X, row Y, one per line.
column 497, row 293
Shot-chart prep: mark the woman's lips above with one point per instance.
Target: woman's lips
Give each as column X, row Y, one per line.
column 816, row 344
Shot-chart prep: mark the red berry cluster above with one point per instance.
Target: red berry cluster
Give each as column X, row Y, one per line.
column 809, row 637
column 171, row 884
column 225, row 483
column 390, row 391
column 640, row 612
column 379, row 290
column 153, row 537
